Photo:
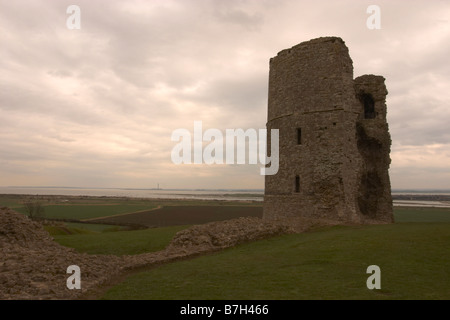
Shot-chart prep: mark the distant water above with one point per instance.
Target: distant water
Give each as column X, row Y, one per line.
column 422, row 203
column 201, row 194
column 204, row 194
column 445, row 192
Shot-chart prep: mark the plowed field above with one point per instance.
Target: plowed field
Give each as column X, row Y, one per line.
column 184, row 215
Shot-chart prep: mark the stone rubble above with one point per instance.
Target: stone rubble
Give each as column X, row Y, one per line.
column 33, row 266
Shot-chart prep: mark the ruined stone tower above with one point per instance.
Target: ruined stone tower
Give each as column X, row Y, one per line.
column 334, row 139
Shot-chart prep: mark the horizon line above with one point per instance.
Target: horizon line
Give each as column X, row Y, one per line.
column 201, row 189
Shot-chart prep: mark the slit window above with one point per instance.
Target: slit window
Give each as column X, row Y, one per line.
column 297, row 184
column 369, row 106
column 299, row 135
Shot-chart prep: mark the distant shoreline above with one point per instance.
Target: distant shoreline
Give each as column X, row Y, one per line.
column 61, row 198
column 255, row 190
column 421, row 197
column 224, row 196
column 402, row 200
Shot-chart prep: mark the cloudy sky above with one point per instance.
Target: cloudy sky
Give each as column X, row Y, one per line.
column 96, row 106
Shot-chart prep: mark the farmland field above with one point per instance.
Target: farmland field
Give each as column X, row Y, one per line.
column 183, row 215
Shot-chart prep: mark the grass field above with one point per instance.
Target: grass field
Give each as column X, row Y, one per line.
column 120, row 243
column 80, row 208
column 413, row 214
column 326, row 264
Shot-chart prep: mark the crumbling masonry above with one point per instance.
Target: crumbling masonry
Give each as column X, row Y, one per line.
column 334, row 138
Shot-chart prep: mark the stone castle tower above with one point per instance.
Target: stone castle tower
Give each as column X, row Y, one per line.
column 334, row 140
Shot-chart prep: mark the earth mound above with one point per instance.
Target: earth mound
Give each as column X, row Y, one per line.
column 33, row 266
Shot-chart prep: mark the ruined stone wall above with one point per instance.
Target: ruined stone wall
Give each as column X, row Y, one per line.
column 332, row 159
column 374, row 142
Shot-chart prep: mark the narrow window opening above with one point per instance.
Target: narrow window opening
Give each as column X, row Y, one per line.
column 297, row 184
column 299, row 135
column 369, row 106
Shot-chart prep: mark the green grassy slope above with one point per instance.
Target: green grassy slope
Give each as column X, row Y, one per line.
column 327, row 264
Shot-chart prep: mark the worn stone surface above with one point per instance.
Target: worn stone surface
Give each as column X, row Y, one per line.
column 338, row 168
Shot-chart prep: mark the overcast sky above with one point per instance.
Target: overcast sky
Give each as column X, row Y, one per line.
column 96, row 107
